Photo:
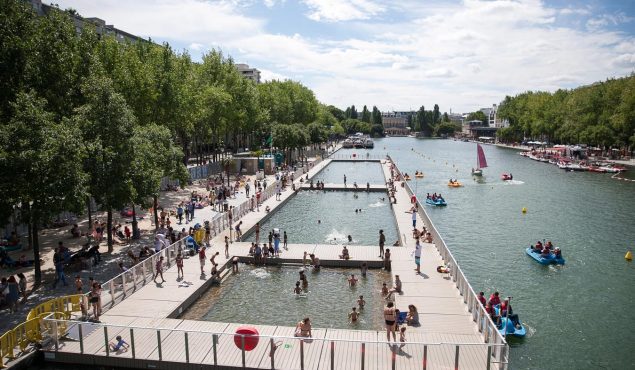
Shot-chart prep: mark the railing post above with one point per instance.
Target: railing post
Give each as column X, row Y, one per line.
column 242, row 341
column 301, row 354
column 143, row 271
column 134, row 277
column 393, row 356
column 123, row 283
column 159, row 345
column 425, row 357
column 106, row 341
column 187, row 349
column 112, row 291
column 456, row 358
column 272, row 351
column 489, row 357
column 332, row 355
column 81, row 339
column 363, row 354
column 214, row 343
column 132, row 346
column 56, row 334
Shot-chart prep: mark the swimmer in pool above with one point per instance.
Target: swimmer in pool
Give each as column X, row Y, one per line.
column 297, row 289
column 361, row 302
column 353, row 315
column 352, row 281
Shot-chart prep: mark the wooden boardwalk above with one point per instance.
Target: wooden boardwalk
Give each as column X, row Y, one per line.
column 149, row 316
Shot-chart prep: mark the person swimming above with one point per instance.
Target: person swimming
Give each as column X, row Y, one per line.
column 297, row 289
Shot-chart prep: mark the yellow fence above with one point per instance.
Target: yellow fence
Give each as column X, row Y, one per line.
column 30, row 331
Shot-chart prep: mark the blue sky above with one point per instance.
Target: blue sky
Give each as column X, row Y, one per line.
column 397, row 55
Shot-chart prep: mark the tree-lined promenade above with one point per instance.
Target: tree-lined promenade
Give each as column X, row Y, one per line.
column 83, row 116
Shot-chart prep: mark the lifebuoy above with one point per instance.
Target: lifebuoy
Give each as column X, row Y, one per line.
column 251, row 336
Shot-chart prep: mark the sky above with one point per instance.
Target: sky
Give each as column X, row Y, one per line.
column 400, row 54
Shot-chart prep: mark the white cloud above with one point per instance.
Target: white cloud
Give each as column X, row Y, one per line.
column 460, row 56
column 342, row 10
column 267, row 75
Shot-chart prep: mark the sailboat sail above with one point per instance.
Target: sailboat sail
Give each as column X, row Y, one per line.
column 480, row 157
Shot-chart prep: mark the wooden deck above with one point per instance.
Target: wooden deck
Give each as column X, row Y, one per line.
column 150, row 315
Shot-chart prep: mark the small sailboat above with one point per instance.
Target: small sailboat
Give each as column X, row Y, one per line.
column 481, row 162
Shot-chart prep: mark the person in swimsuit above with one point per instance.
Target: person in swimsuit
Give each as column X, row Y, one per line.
column 303, row 328
column 158, row 268
column 201, row 259
column 384, row 289
column 390, row 319
column 352, row 281
column 353, row 315
column 297, row 289
column 179, row 266
column 361, row 302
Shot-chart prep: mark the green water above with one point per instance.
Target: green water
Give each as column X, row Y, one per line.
column 327, row 303
column 579, row 316
column 360, row 172
column 336, row 212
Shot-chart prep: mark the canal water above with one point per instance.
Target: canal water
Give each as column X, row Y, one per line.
column 355, row 172
column 264, row 296
column 329, row 217
column 579, row 316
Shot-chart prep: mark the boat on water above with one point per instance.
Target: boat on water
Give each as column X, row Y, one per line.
column 551, row 258
column 347, row 144
column 481, row 162
column 438, row 202
column 454, row 184
column 508, row 327
column 369, row 143
column 358, row 143
column 507, row 177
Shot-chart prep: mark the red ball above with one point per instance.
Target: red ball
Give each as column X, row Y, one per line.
column 251, row 337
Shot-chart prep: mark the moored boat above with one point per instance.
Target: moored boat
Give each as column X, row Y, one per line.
column 481, row 162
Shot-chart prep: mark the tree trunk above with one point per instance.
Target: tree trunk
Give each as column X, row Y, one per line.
column 135, row 225
column 90, row 214
column 110, row 242
column 155, row 204
column 37, row 277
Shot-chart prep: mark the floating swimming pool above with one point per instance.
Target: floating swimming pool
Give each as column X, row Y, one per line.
column 264, row 295
column 335, row 211
column 360, row 172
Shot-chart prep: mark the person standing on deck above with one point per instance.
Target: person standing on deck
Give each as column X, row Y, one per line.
column 284, row 241
column 414, row 219
column 158, row 268
column 344, row 180
column 382, row 242
column 417, row 254
column 201, row 259
column 387, row 261
column 390, row 319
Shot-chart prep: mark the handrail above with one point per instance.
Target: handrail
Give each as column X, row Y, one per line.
column 55, row 329
column 479, row 315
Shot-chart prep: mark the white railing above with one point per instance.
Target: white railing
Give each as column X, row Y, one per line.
column 357, row 156
column 485, row 324
column 228, row 349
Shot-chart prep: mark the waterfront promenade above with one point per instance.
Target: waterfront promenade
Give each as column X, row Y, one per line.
column 148, row 316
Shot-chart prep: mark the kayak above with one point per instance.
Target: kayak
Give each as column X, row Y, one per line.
column 438, row 202
column 507, row 327
column 544, row 260
column 420, row 175
column 506, row 177
column 455, row 184
column 407, row 178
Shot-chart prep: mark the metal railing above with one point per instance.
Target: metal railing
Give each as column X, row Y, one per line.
column 357, row 156
column 484, row 322
column 248, row 351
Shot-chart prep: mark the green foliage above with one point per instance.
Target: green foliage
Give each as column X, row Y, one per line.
column 447, row 128
column 352, row 126
column 601, row 114
column 477, row 116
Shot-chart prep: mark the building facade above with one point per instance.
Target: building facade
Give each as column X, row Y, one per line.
column 395, row 123
column 247, row 72
column 99, row 25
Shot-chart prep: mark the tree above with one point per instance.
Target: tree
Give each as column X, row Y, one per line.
column 376, row 117
column 478, row 115
column 46, row 158
column 436, row 115
column 107, row 125
column 365, row 115
column 353, row 112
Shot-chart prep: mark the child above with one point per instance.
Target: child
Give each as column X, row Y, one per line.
column 226, row 246
column 352, row 316
column 179, row 265
column 384, row 289
column 402, row 336
column 127, row 232
column 79, row 286
column 297, row 289
column 159, row 270
column 119, row 345
column 361, row 302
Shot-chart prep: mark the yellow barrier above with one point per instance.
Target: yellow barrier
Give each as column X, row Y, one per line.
column 30, row 331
